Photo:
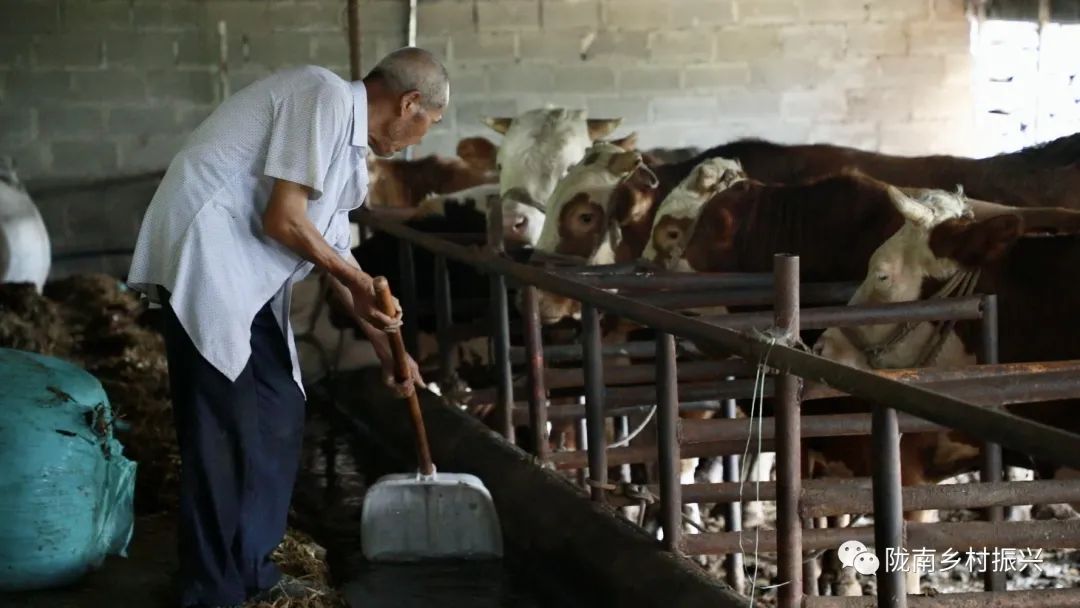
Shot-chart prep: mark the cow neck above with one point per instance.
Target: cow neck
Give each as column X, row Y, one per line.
column 961, row 284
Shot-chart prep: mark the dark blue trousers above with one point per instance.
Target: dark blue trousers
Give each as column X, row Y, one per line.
column 239, row 450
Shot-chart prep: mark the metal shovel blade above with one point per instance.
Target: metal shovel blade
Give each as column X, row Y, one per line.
column 412, row 517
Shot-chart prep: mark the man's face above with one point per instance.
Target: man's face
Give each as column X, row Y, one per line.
column 409, row 125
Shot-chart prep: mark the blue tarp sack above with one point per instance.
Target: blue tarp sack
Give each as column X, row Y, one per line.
column 66, row 490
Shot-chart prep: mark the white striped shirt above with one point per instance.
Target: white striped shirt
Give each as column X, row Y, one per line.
column 202, row 236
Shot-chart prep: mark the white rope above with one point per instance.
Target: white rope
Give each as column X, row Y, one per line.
column 637, row 431
column 756, row 400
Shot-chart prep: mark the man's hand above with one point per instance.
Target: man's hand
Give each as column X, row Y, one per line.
column 367, row 309
column 408, row 387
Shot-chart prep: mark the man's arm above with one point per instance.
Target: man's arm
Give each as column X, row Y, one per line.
column 286, row 221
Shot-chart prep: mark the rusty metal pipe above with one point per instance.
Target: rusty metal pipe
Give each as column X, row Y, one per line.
column 992, row 459
column 888, row 509
column 814, row 293
column 1036, row 439
column 409, row 331
column 444, row 318
column 667, row 396
column 578, row 459
column 355, row 69
column 534, row 346
column 689, row 371
column 938, row 536
column 568, row 353
column 828, row 497
column 594, row 401
column 788, row 448
column 822, row 425
column 825, row 317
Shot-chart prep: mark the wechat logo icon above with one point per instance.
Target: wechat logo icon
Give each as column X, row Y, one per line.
column 854, row 554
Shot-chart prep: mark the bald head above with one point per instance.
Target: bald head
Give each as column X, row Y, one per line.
column 414, row 69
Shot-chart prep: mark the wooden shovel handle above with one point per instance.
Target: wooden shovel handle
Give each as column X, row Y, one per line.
column 385, row 301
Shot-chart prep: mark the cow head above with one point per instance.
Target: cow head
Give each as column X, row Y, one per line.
column 521, row 222
column 585, row 215
column 540, row 145
column 679, row 212
column 940, row 241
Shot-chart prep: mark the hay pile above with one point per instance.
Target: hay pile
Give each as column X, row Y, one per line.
column 298, row 555
column 94, row 321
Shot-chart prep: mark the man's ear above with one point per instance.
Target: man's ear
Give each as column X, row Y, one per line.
column 410, row 103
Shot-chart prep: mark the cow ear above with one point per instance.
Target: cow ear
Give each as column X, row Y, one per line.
column 629, row 204
column 600, row 128
column 498, row 124
column 908, row 208
column 975, row 243
column 627, row 143
column 708, row 176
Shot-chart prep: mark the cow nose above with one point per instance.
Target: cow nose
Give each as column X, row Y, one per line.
column 521, row 225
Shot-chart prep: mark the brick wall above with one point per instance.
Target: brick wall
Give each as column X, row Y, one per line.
column 106, row 87
column 888, row 75
column 94, row 88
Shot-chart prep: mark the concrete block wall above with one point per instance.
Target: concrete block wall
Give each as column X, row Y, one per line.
column 887, row 75
column 107, row 87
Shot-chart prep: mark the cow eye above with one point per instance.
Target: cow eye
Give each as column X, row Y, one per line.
column 586, row 218
column 882, row 277
column 672, row 234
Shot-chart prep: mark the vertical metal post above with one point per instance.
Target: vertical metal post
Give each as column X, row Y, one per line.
column 788, row 468
column 994, row 580
column 888, row 506
column 581, row 440
column 594, row 400
column 667, row 421
column 622, row 431
column 444, row 318
column 733, row 562
column 223, row 59
column 534, row 350
column 410, row 329
column 500, row 333
column 809, row 567
column 355, row 69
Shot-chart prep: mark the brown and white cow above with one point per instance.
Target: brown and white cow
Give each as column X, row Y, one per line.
column 944, row 238
column 601, row 213
column 1044, row 175
column 399, row 183
column 479, row 153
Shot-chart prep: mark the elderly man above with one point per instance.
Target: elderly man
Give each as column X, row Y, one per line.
column 258, row 197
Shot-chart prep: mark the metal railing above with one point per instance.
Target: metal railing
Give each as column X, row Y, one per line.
column 924, row 400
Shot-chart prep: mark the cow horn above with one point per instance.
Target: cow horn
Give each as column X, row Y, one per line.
column 624, row 162
column 910, row 209
column 602, row 127
column 499, row 124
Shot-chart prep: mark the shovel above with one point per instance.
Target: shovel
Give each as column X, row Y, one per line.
column 425, row 515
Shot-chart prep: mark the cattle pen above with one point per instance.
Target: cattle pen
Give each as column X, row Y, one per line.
column 967, row 400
